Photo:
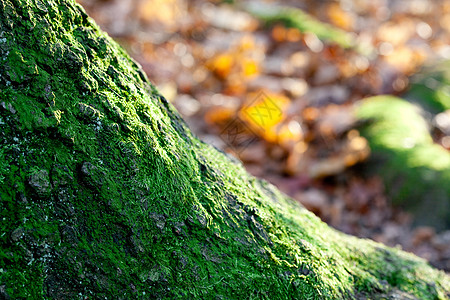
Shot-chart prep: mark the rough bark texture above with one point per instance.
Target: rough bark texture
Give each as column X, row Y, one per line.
column 105, row 193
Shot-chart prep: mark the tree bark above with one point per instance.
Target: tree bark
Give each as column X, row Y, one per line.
column 105, row 193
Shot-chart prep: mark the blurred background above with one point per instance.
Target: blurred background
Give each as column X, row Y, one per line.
column 305, row 66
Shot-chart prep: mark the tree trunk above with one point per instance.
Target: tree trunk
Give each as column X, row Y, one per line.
column 105, row 193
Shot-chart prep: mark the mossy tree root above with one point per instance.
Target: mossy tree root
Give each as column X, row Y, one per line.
column 105, row 193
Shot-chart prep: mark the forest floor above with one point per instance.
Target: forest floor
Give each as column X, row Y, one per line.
column 214, row 60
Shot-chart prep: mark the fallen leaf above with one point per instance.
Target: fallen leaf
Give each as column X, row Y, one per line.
column 340, row 17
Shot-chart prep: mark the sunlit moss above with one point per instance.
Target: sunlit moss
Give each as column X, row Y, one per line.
column 109, row 195
column 416, row 170
column 296, row 18
column 431, row 87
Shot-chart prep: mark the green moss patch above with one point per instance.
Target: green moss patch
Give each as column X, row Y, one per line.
column 416, row 170
column 107, row 193
column 431, row 87
column 296, row 18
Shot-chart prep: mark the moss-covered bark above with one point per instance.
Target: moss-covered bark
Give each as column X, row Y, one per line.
column 105, row 193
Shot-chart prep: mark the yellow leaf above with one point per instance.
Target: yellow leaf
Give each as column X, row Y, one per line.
column 264, row 112
column 250, row 67
column 222, row 64
column 340, row 17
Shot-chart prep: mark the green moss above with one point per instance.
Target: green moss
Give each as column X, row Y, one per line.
column 296, row 18
column 416, row 170
column 109, row 195
column 431, row 87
